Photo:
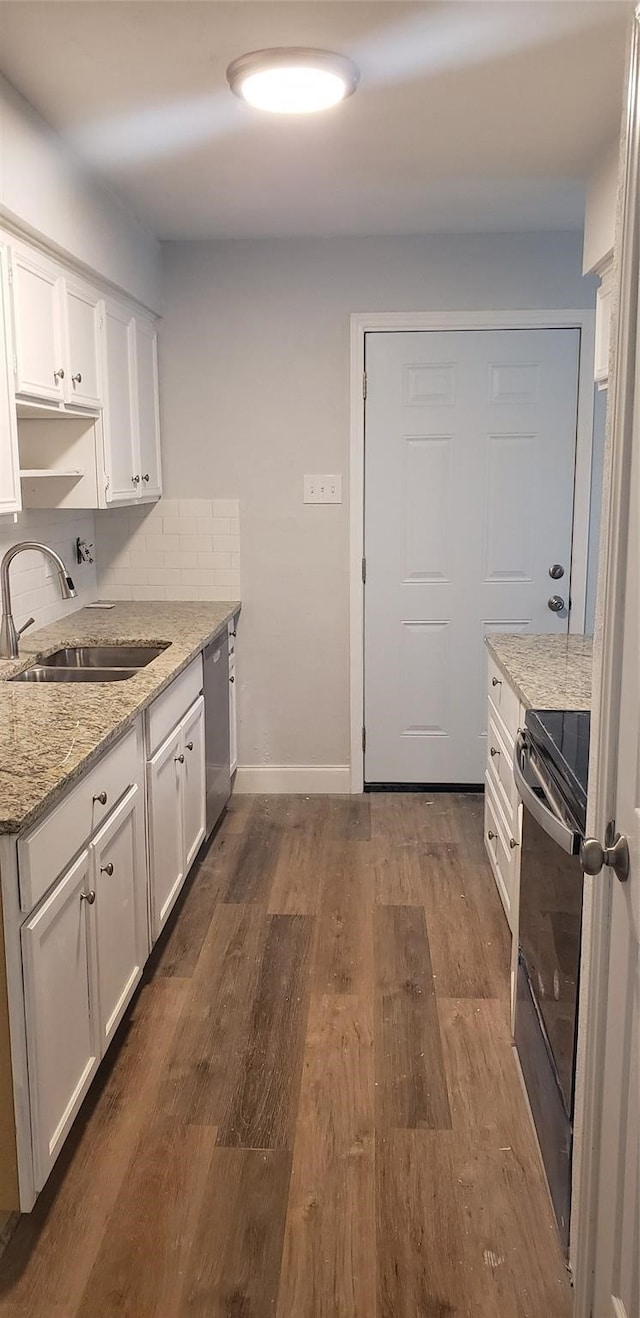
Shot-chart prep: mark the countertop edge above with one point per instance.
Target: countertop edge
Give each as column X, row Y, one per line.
column 15, row 827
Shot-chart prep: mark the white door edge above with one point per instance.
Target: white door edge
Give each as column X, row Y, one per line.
column 363, row 323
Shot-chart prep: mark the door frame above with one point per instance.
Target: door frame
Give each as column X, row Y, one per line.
column 363, row 323
column 622, row 415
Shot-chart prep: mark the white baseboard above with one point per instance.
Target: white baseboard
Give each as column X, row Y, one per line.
column 298, row 779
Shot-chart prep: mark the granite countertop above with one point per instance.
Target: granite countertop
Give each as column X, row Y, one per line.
column 51, row 733
column 546, row 672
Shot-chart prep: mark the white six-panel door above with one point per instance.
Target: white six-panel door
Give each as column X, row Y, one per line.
column 469, row 468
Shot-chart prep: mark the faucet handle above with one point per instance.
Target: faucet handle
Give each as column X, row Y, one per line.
column 23, row 628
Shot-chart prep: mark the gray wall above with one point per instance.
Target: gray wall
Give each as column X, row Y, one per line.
column 254, row 377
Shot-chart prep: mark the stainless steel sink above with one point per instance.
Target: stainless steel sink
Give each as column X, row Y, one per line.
column 103, row 656
column 40, row 673
column 92, row 663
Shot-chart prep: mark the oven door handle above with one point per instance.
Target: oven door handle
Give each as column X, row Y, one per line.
column 550, row 822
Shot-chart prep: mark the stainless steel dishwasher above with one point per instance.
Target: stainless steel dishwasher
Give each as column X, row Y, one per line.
column 216, row 728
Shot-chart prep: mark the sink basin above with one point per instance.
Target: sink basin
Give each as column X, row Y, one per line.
column 40, row 673
column 103, row 656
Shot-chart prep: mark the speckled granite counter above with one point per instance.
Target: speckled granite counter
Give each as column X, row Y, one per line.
column 546, row 672
column 50, row 733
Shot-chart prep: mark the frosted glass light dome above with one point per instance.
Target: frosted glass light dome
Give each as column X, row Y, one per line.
column 292, row 80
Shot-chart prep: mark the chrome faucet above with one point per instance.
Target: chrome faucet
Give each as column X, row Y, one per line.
column 8, row 634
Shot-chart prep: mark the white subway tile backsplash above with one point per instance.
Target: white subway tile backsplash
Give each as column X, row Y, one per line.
column 33, row 589
column 169, row 550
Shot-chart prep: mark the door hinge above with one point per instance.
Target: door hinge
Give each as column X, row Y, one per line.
column 364, row 384
column 364, row 740
column 364, row 571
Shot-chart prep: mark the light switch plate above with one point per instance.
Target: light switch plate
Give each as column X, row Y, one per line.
column 323, row 489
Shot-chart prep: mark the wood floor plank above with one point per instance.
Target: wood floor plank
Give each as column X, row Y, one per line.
column 410, row 1078
column 469, row 946
column 262, row 1110
column 254, row 863
column 398, row 877
column 349, row 818
column 343, row 943
column 143, row 1262
column 48, row 1262
column 234, row 1261
column 419, row 1227
column 328, row 1265
column 302, row 860
column 205, row 1056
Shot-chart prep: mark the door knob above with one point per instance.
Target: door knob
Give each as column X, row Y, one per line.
column 556, row 571
column 88, row 897
column 136, row 480
column 77, row 379
column 179, row 759
column 101, row 798
column 555, row 603
column 189, row 745
column 593, row 856
column 146, row 476
column 107, row 869
column 58, row 375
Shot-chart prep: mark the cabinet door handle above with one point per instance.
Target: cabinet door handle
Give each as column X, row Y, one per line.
column 494, row 751
column 189, row 745
column 77, row 379
column 146, row 477
column 512, row 843
column 88, row 897
column 58, row 375
column 496, row 681
column 491, row 835
column 101, row 798
column 135, row 480
column 179, row 759
column 232, row 678
column 233, row 633
column 107, row 869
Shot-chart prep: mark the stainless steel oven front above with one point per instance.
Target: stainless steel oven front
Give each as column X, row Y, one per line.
column 546, row 1010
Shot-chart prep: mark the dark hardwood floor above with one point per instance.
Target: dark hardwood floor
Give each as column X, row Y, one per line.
column 312, row 1109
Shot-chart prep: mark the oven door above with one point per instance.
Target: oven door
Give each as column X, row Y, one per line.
column 550, row 916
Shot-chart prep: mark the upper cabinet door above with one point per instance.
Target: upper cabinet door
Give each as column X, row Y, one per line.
column 39, row 346
column 84, row 312
column 10, row 500
column 119, row 416
column 146, row 341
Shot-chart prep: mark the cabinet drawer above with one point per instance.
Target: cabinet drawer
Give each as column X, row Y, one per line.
column 45, row 851
column 166, row 712
column 500, row 768
column 504, row 858
column 504, row 698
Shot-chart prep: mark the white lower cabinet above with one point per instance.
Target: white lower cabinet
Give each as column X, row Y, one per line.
column 59, row 987
column 176, row 811
column 118, row 879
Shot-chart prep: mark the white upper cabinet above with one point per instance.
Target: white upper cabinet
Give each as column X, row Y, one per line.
column 131, row 425
column 10, row 501
column 119, row 419
column 146, row 341
column 37, row 308
column 84, row 311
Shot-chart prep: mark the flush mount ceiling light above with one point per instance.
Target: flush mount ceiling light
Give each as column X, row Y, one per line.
column 292, row 79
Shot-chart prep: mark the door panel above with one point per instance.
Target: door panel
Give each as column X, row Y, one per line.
column 469, row 469
column 194, row 781
column 148, row 418
column 62, row 1040
column 119, row 414
column 83, row 314
column 10, row 492
column 118, row 878
column 166, row 846
column 38, row 327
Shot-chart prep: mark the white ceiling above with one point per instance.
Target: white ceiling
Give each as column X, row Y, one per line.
column 469, row 116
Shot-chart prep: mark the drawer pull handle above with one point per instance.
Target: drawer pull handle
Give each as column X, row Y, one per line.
column 77, row 379
column 494, row 751
column 107, row 869
column 233, row 633
column 189, row 745
column 232, row 678
column 179, row 759
column 496, row 681
column 58, row 375
column 491, row 835
column 512, row 843
column 146, row 476
column 101, row 798
column 88, row 897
